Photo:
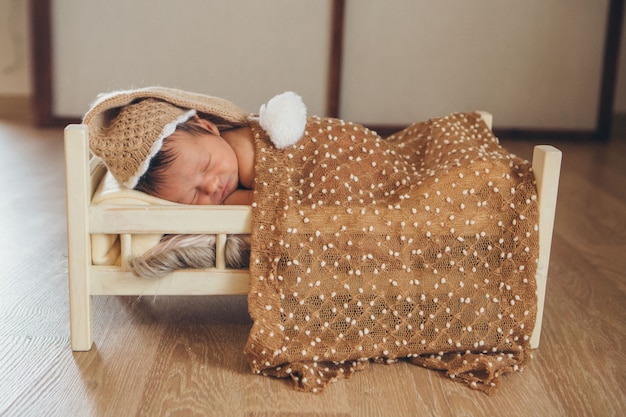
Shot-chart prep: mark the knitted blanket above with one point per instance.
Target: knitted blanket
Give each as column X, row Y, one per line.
column 422, row 246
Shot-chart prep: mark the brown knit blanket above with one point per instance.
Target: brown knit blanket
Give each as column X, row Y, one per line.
column 420, row 246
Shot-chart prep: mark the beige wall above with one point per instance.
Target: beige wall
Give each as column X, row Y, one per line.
column 539, row 60
column 245, row 50
column 14, row 49
column 620, row 93
column 532, row 63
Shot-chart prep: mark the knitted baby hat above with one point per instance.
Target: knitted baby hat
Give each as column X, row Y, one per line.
column 127, row 128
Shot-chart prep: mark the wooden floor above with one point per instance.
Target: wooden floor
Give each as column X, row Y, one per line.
column 171, row 356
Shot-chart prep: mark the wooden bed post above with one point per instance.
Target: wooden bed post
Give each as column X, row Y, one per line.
column 547, row 168
column 78, row 194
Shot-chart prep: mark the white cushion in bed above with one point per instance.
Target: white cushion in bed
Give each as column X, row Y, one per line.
column 105, row 249
column 109, row 191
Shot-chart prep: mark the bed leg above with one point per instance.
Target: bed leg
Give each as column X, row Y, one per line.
column 547, row 168
column 80, row 314
column 78, row 193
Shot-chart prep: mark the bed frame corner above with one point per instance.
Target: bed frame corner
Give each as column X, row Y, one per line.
column 546, row 167
column 78, row 194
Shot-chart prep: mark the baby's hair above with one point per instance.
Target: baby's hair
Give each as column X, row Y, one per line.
column 154, row 177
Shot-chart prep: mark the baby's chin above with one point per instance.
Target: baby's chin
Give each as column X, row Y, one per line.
column 226, row 200
column 233, row 185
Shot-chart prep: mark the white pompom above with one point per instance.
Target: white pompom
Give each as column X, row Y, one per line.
column 284, row 119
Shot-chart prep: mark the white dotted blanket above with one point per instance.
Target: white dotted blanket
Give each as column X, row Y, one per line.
column 421, row 246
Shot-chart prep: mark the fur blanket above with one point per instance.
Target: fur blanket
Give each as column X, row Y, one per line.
column 420, row 246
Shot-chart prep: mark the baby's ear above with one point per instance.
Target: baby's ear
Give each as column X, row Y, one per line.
column 207, row 124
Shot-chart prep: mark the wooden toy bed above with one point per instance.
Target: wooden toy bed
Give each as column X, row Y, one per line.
column 131, row 217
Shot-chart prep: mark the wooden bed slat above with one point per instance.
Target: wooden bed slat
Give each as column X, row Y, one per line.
column 210, row 281
column 220, row 251
column 170, row 219
column 125, row 249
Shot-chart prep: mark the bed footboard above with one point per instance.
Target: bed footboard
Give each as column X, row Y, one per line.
column 83, row 175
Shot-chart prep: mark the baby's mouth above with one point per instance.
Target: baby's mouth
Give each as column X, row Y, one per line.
column 225, row 190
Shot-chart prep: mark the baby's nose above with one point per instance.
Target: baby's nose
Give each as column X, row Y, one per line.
column 212, row 185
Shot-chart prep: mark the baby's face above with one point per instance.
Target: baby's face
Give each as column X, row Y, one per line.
column 205, row 170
